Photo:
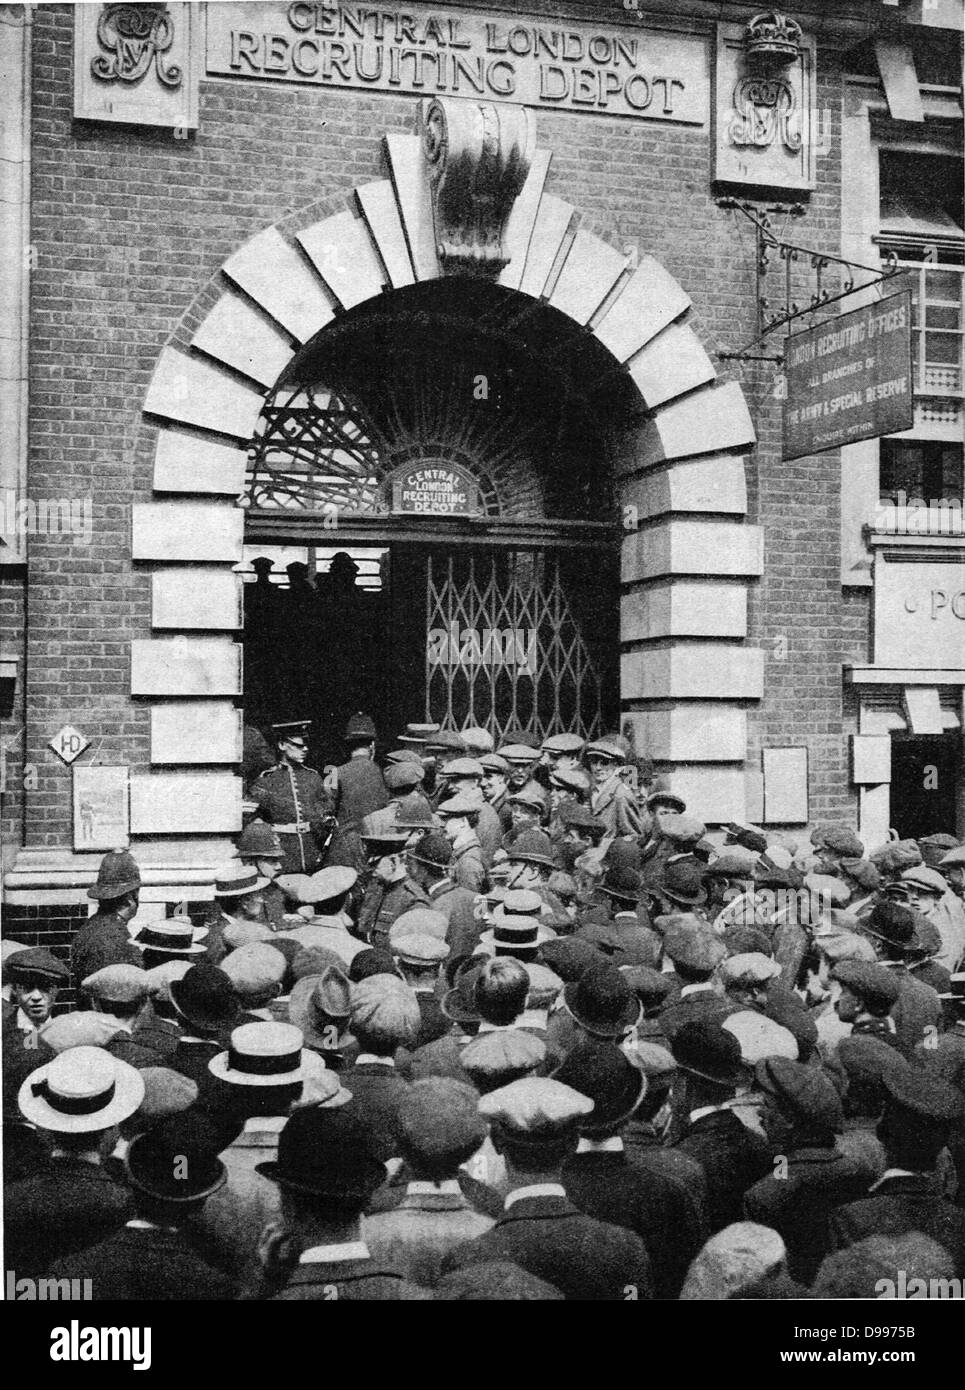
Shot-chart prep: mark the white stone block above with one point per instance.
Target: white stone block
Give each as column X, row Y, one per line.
column 672, row 363
column 196, row 731
column 693, row 547
column 549, row 229
column 188, row 463
column 691, row 732
column 185, row 803
column 693, row 671
column 185, row 666
column 590, row 271
column 381, row 213
column 650, row 300
column 196, row 599
column 196, row 392
column 522, row 219
column 714, row 484
column 239, row 336
column 683, row 608
column 274, row 275
column 710, row 420
column 206, row 531
column 341, row 251
column 411, row 182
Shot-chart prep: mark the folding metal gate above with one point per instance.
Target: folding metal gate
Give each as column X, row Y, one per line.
column 507, row 643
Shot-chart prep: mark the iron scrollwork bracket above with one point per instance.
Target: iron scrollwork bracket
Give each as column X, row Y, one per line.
column 790, row 254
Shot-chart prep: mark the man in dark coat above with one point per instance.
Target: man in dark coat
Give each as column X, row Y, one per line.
column 732, row 1157
column 802, row 1114
column 606, row 1180
column 696, row 951
column 104, row 938
column 921, row 1113
column 171, row 1171
column 328, row 1171
column 534, row 1126
column 385, row 1016
column 78, row 1098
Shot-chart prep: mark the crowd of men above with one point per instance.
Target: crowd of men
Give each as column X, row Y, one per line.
column 497, row 1023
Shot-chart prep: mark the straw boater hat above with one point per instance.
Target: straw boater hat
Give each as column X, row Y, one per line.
column 174, row 936
column 82, row 1091
column 235, row 879
column 266, row 1054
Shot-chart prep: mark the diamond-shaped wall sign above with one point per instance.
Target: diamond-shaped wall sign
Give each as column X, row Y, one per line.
column 69, row 743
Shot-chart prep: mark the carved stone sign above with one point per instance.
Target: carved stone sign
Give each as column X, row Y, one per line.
column 435, row 490
column 137, row 63
column 919, row 618
column 431, row 51
column 766, row 126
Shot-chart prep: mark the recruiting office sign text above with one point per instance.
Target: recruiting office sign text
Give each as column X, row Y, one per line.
column 849, row 379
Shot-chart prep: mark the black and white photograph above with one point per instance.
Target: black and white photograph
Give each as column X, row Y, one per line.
column 482, row 666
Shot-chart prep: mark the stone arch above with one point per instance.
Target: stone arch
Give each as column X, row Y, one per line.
column 687, row 554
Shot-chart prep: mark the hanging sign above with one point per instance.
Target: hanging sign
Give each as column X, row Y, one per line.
column 435, row 490
column 100, row 808
column 849, row 379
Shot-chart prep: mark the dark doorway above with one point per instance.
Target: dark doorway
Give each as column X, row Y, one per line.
column 925, row 771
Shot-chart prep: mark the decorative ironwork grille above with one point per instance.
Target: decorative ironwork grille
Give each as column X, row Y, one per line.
column 504, row 648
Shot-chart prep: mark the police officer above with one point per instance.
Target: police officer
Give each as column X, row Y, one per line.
column 293, row 798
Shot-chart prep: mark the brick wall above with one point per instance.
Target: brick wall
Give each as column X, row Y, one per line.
column 131, row 227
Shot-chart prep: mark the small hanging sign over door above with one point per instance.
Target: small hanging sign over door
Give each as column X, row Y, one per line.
column 435, row 490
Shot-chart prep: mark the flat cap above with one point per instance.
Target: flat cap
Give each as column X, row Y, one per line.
column 419, row 921
column 463, row 767
column 953, row 858
column 569, row 779
column 752, row 967
column 802, row 1091
column 867, row 1060
column 760, row 1037
column 544, row 984
column 240, row 933
column 873, row 983
column 840, row 839
column 896, row 855
column 924, row 877
column 865, row 874
column 314, row 960
column 493, row 1057
column 563, row 743
column 445, row 741
column 159, row 977
column 419, row 949
column 650, row 986
column 166, row 1092
column 118, row 984
column 83, row 1029
column 837, row 944
column 731, row 865
column 36, row 961
column 935, row 847
column 828, row 888
column 254, row 968
column 518, row 754
column 440, row 1121
column 325, row 884
column 536, row 1108
column 399, row 776
column 494, row 762
column 478, row 740
column 682, row 829
column 569, row 957
column 657, row 1064
column 920, row 1098
column 385, row 1006
column 692, row 944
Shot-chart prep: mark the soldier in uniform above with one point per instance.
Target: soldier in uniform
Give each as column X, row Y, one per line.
column 293, row 798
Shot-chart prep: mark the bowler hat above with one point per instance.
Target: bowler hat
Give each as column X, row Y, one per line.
column 371, row 962
column 602, row 1002
column 804, row 1092
column 118, row 874
column 606, row 1075
column 459, row 1002
column 891, row 922
column 434, row 849
column 532, row 847
column 177, row 1159
column 682, row 882
column 569, row 957
column 707, row 1050
column 205, row 997
column 328, row 1154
